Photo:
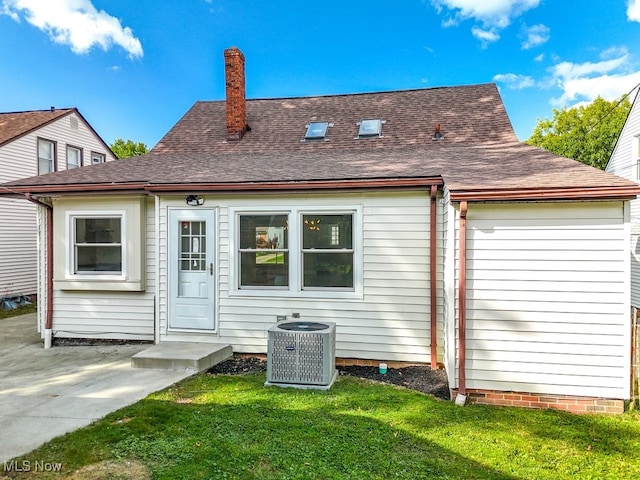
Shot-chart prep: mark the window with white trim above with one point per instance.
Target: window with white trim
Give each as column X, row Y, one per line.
column 103, row 248
column 264, row 252
column 298, row 250
column 74, row 157
column 98, row 158
column 46, row 156
column 327, row 251
column 97, row 245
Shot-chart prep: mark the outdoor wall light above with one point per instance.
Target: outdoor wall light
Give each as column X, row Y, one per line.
column 193, row 200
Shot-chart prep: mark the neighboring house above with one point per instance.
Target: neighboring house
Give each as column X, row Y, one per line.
column 413, row 219
column 35, row 143
column 625, row 162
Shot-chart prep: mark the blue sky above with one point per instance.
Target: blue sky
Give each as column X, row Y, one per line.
column 134, row 67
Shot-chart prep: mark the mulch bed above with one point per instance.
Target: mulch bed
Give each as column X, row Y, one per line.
column 420, row 378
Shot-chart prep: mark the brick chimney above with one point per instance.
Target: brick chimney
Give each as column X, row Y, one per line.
column 236, row 99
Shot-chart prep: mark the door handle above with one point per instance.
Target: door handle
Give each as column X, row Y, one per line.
column 211, row 268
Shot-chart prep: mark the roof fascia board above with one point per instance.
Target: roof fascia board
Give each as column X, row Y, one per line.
column 294, row 185
column 618, row 193
column 220, row 187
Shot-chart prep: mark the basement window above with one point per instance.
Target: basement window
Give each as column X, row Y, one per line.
column 317, row 130
column 370, row 128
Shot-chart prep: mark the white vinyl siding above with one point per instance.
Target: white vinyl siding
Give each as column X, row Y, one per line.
column 19, row 159
column 625, row 162
column 449, row 287
column 635, row 266
column 548, row 298
column 389, row 321
column 111, row 314
column 18, row 240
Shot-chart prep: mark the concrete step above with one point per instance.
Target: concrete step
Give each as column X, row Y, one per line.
column 182, row 355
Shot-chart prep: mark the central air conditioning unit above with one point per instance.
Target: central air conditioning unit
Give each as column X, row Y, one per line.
column 302, row 355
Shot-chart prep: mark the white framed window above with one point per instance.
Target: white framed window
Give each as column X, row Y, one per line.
column 97, row 244
column 297, row 252
column 98, row 158
column 327, row 251
column 263, row 250
column 102, row 246
column 74, row 157
column 46, row 156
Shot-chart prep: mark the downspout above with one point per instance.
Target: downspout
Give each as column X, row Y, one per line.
column 48, row 323
column 156, row 302
column 433, row 278
column 462, row 306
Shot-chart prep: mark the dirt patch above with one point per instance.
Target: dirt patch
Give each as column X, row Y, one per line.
column 107, row 470
column 419, row 378
column 110, row 470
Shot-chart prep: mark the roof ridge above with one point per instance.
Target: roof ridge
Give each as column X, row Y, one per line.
column 353, row 94
column 44, row 110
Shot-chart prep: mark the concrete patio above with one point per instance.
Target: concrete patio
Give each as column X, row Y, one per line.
column 47, row 393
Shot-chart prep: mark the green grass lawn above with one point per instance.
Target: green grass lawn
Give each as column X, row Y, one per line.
column 232, row 427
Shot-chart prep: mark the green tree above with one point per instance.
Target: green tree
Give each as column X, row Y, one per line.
column 587, row 133
column 126, row 149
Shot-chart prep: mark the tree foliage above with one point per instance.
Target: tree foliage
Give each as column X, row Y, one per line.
column 126, row 149
column 587, row 133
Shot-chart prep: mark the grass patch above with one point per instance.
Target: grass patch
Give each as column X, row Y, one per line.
column 233, row 427
column 21, row 310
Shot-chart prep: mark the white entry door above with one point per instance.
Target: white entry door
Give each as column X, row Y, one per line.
column 192, row 269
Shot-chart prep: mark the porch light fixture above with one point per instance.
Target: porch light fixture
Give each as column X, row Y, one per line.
column 194, row 200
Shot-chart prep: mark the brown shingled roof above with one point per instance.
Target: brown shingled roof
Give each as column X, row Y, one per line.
column 16, row 124
column 480, row 153
column 467, row 115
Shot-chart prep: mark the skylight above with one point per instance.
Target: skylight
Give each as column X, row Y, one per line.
column 316, row 130
column 370, row 128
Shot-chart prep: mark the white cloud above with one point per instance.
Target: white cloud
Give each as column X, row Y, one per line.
column 539, row 58
column 485, row 36
column 76, row 23
column 491, row 13
column 583, row 82
column 633, row 10
column 513, row 81
column 535, row 35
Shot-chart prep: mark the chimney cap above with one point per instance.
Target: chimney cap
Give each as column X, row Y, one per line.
column 233, row 51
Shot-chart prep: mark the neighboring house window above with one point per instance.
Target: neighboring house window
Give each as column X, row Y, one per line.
column 97, row 245
column 264, row 254
column 98, row 158
column 327, row 251
column 46, row 156
column 74, row 157
column 298, row 251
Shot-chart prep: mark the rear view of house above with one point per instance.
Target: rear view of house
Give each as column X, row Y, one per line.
column 36, row 143
column 414, row 220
